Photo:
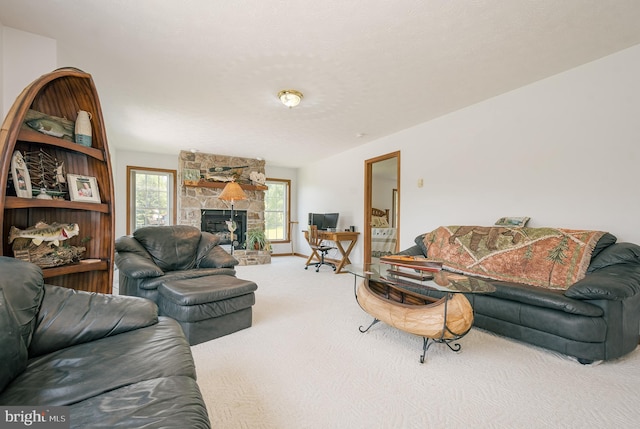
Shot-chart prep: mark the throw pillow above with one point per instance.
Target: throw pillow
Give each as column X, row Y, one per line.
column 604, row 242
column 618, row 253
column 173, row 247
column 419, row 240
column 218, row 258
column 69, row 317
column 379, row 222
column 207, row 242
column 512, row 221
column 13, row 352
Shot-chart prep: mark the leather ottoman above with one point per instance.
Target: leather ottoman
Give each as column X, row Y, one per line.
column 208, row 307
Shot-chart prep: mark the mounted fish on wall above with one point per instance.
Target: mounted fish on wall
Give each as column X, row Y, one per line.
column 41, row 232
column 50, row 125
column 224, row 174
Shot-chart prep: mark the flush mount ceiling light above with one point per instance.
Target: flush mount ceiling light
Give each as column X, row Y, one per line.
column 290, row 97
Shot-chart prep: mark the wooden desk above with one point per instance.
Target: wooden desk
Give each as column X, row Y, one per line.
column 337, row 237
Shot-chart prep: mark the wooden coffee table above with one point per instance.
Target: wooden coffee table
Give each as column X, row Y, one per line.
column 403, row 302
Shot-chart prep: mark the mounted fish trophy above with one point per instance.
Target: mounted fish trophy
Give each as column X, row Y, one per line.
column 42, row 244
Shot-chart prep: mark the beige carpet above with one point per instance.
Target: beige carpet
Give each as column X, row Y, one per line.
column 304, row 364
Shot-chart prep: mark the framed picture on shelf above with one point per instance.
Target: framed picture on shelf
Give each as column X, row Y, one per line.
column 20, row 175
column 83, row 188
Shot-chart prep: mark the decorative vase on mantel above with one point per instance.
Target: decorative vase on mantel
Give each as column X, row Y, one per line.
column 83, row 128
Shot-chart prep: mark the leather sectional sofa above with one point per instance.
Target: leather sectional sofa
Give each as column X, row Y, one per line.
column 110, row 359
column 596, row 318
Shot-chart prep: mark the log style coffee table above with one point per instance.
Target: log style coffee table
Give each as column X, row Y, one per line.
column 400, row 298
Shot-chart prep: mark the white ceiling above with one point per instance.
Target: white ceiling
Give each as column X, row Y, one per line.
column 179, row 74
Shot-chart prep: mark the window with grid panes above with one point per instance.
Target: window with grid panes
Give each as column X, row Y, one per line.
column 151, row 197
column 276, row 209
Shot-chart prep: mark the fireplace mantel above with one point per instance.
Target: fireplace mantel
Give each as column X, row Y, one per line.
column 207, row 184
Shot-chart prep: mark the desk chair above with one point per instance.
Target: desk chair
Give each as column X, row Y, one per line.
column 316, row 243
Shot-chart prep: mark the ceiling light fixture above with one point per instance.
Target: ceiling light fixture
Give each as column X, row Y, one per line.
column 290, row 97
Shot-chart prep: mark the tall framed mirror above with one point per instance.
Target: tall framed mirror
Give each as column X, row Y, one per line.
column 382, row 206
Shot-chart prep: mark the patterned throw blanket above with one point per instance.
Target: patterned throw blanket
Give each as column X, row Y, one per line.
column 545, row 257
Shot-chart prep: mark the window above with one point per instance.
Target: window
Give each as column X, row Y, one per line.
column 151, row 197
column 276, row 210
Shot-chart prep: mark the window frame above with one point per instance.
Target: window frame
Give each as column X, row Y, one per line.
column 287, row 210
column 172, row 210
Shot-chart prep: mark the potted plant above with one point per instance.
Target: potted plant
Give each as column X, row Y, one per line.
column 257, row 239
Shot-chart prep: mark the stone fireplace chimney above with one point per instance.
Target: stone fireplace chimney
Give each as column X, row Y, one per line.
column 197, row 194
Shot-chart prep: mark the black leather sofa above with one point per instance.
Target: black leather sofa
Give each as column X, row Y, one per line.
column 595, row 319
column 110, row 359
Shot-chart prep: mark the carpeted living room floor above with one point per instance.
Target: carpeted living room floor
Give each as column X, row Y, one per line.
column 304, row 364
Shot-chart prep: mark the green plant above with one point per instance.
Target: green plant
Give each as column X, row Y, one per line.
column 257, row 239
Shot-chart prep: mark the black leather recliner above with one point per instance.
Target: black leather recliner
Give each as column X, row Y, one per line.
column 190, row 276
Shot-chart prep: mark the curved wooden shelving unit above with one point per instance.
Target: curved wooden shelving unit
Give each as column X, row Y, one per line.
column 63, row 93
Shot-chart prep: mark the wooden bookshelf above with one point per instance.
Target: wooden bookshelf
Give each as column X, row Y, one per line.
column 63, row 93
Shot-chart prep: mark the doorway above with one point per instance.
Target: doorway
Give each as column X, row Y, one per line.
column 382, row 192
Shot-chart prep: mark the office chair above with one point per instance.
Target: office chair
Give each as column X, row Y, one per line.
column 316, row 244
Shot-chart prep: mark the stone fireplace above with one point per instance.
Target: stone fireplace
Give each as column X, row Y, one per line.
column 197, row 196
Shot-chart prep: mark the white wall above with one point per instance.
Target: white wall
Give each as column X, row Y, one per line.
column 563, row 151
column 25, row 57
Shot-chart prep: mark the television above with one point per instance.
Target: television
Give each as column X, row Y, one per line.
column 324, row 221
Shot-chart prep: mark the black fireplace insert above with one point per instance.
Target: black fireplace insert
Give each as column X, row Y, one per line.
column 215, row 222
